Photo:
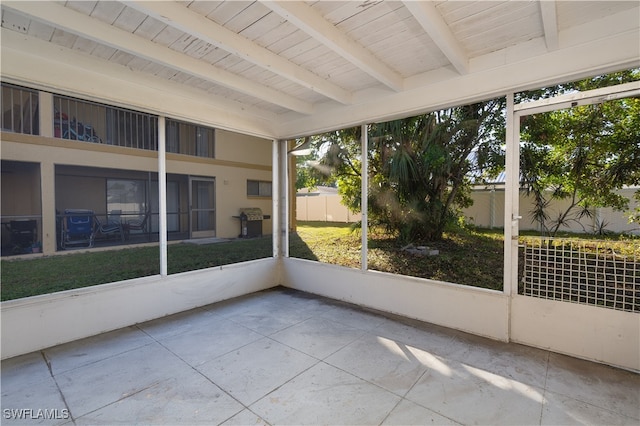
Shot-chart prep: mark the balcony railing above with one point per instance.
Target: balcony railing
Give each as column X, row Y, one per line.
column 87, row 121
column 19, row 110
column 92, row 122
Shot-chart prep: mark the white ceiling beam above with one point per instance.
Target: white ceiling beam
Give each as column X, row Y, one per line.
column 549, row 23
column 570, row 100
column 431, row 21
column 100, row 32
column 190, row 22
column 570, row 63
column 36, row 63
column 308, row 20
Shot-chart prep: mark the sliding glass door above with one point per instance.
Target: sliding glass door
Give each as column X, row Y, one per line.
column 202, row 207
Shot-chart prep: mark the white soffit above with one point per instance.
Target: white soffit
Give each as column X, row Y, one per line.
column 281, row 69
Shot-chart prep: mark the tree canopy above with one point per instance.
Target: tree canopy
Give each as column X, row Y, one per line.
column 420, row 167
column 582, row 155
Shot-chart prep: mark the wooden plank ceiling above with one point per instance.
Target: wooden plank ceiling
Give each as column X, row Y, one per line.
column 310, row 66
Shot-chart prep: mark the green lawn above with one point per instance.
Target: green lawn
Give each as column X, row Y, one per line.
column 466, row 257
column 471, row 257
column 22, row 278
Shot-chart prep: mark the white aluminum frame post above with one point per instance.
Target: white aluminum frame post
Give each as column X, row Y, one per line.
column 162, row 192
column 511, row 200
column 280, row 198
column 364, row 196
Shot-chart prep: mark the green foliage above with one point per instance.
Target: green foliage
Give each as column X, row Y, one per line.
column 420, row 167
column 327, row 160
column 305, row 177
column 634, row 215
column 581, row 155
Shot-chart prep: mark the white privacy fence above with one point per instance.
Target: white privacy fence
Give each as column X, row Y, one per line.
column 599, row 273
column 323, row 208
column 487, row 211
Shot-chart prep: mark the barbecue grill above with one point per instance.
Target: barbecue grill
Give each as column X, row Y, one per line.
column 251, row 222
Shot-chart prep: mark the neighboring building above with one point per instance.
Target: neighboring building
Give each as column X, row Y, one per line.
column 63, row 153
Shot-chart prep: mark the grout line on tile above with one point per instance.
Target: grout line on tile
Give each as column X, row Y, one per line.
column 102, row 359
column 422, row 405
column 391, row 411
column 195, row 368
column 64, row 400
column 124, row 397
column 278, row 387
column 544, row 388
column 268, row 334
column 248, row 409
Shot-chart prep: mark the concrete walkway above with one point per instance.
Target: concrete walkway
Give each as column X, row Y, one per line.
column 285, row 357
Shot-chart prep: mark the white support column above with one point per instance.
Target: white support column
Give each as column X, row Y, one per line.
column 48, row 206
column 275, row 194
column 511, row 200
column 162, row 195
column 284, row 196
column 280, row 199
column 45, row 112
column 364, row 192
column 47, row 177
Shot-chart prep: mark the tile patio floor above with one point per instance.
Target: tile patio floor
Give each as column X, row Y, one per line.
column 286, row 357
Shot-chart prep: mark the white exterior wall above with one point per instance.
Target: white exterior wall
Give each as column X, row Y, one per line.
column 38, row 322
column 474, row 310
column 599, row 334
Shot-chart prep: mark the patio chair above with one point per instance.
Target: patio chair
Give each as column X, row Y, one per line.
column 114, row 216
column 24, row 235
column 109, row 228
column 78, row 228
column 139, row 224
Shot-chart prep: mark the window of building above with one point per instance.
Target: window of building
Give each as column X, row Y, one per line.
column 133, row 198
column 190, row 139
column 127, row 196
column 19, row 110
column 258, row 188
column 173, row 206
